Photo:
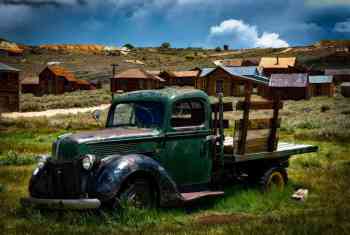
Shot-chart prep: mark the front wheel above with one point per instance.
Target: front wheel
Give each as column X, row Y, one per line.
column 138, row 193
column 274, row 178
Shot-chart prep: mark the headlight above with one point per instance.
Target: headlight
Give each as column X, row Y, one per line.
column 42, row 161
column 88, row 161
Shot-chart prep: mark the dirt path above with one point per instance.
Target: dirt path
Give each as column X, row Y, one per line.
column 54, row 112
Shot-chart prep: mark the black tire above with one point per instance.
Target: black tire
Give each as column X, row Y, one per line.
column 138, row 193
column 276, row 178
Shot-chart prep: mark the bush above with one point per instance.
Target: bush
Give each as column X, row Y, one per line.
column 2, row 188
column 129, row 46
column 12, row 158
column 165, row 45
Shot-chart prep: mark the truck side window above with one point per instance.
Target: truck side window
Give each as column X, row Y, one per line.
column 188, row 113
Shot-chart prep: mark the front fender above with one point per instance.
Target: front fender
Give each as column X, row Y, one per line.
column 117, row 169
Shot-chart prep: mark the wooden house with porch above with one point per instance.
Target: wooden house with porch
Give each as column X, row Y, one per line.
column 135, row 79
column 321, row 85
column 280, row 65
column 231, row 81
column 179, row 78
column 9, row 89
column 339, row 75
column 293, row 86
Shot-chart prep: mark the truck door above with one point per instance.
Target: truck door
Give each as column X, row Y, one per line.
column 188, row 150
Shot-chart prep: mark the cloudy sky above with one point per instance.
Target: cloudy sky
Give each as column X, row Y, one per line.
column 183, row 23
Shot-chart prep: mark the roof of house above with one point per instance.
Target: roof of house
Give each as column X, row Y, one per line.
column 289, row 80
column 137, row 73
column 154, row 72
column 337, row 72
column 6, row 68
column 33, row 80
column 277, row 62
column 320, row 79
column 82, row 82
column 62, row 72
column 246, row 72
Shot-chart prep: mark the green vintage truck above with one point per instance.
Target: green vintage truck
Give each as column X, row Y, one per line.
column 162, row 148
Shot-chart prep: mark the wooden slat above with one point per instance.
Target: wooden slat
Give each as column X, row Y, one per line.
column 257, row 105
column 257, row 124
column 227, row 107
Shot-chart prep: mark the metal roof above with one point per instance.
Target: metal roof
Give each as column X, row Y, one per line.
column 242, row 71
column 4, row 67
column 205, row 71
column 289, row 80
column 337, row 72
column 277, row 62
column 320, row 79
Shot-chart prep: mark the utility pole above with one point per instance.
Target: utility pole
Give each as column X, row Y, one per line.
column 114, row 66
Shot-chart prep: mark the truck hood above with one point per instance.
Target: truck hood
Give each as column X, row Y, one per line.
column 112, row 134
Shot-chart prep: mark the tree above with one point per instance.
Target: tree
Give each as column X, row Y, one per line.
column 165, row 45
column 129, row 46
column 218, row 49
column 226, row 47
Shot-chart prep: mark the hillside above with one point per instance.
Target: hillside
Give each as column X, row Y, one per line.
column 89, row 61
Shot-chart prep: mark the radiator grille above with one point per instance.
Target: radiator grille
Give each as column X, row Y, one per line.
column 106, row 149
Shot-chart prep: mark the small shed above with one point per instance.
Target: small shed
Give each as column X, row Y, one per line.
column 135, row 79
column 289, row 86
column 345, row 89
column 339, row 75
column 179, row 78
column 9, row 89
column 321, row 85
column 231, row 81
column 279, row 65
column 30, row 84
column 58, row 80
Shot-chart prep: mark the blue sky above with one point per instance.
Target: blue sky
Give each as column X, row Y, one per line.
column 183, row 23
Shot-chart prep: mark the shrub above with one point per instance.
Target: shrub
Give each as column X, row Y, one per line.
column 325, row 108
column 12, row 158
column 218, row 49
column 2, row 188
column 165, row 45
column 129, row 46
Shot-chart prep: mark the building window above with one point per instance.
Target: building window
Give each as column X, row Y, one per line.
column 187, row 114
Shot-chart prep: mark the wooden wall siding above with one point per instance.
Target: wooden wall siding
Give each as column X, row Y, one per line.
column 268, row 71
column 338, row 79
column 325, row 89
column 9, row 92
column 30, row 88
column 133, row 84
column 232, row 85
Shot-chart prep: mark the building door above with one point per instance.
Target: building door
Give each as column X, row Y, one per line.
column 188, row 152
column 4, row 104
column 219, row 86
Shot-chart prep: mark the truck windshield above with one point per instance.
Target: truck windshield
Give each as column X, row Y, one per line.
column 137, row 114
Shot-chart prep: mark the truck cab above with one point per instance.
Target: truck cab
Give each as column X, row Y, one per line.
column 158, row 148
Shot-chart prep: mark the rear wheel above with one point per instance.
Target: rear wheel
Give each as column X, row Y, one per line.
column 138, row 193
column 274, row 178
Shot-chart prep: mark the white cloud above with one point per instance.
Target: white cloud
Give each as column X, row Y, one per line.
column 237, row 32
column 342, row 27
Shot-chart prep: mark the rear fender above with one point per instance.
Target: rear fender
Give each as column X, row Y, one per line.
column 117, row 169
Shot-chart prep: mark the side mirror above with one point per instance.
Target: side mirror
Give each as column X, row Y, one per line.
column 96, row 114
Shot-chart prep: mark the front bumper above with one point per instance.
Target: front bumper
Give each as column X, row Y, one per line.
column 62, row 204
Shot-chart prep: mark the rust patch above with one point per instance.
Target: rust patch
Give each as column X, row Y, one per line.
column 219, row 219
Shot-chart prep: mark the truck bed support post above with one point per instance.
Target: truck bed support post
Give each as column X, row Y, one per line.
column 244, row 129
column 221, row 130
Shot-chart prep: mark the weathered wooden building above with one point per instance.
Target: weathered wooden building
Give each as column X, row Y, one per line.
column 135, row 79
column 345, row 89
column 288, row 86
column 179, row 78
column 58, row 80
column 231, row 81
column 280, row 65
column 321, row 85
column 339, row 75
column 9, row 89
column 30, row 84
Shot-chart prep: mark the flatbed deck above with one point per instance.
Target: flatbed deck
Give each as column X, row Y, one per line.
column 283, row 150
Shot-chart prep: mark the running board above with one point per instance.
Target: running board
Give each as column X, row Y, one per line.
column 197, row 195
